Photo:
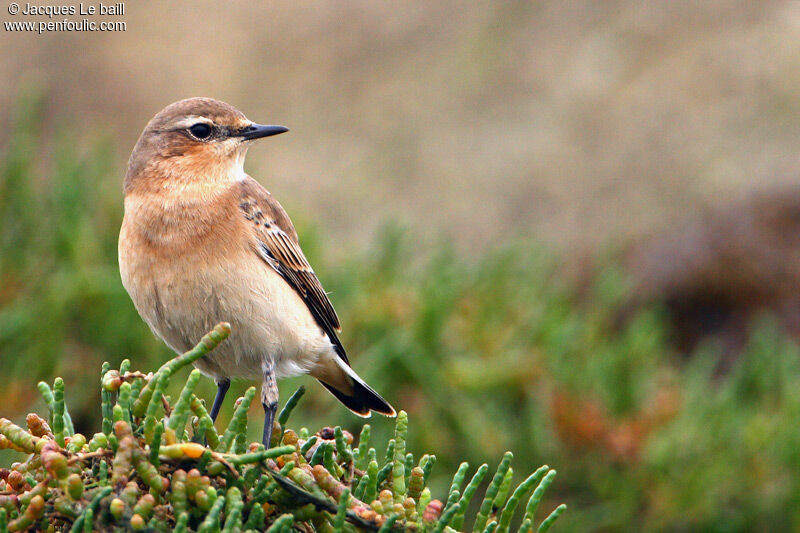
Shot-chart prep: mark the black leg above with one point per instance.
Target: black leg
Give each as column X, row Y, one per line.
column 269, row 399
column 222, row 389
column 269, row 419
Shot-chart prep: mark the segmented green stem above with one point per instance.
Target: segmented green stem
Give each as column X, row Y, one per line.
column 291, row 403
column 93, row 504
column 341, row 512
column 238, row 422
column 154, row 405
column 211, row 521
column 458, row 478
column 505, row 488
column 363, row 446
column 388, row 524
column 319, row 454
column 399, row 465
column 124, row 401
column 206, row 344
column 342, row 450
column 491, row 493
column 19, row 437
column 371, row 490
column 233, row 509
column 58, row 411
column 536, row 497
column 105, row 396
column 427, row 463
column 309, row 444
column 552, row 517
column 256, row 518
column 469, row 492
column 283, row 522
column 155, row 444
column 181, row 523
column 389, row 455
column 448, row 513
column 516, row 496
column 181, row 410
column 257, row 457
column 327, row 458
column 205, row 427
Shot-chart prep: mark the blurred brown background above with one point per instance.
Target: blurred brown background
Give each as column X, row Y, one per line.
column 576, row 122
column 619, row 179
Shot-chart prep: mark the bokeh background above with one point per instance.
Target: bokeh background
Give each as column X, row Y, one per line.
column 567, row 229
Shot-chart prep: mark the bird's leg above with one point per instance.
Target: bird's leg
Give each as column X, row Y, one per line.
column 269, row 399
column 222, row 389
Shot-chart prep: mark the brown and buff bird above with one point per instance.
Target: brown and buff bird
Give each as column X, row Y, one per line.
column 202, row 242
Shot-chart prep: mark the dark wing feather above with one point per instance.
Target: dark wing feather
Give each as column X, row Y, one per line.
column 279, row 247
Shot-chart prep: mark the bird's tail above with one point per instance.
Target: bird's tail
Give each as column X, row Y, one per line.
column 351, row 390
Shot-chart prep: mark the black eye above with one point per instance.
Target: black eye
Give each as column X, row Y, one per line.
column 201, row 130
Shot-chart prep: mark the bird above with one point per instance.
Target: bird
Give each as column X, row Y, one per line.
column 203, row 242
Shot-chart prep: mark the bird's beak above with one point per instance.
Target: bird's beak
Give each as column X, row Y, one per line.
column 257, row 131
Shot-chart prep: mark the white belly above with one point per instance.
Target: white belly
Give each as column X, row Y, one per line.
column 184, row 300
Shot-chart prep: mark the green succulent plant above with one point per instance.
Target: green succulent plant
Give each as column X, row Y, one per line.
column 159, row 465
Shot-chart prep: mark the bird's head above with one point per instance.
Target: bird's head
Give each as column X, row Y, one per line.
column 197, row 141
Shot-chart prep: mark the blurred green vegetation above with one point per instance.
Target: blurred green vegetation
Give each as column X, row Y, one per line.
column 486, row 353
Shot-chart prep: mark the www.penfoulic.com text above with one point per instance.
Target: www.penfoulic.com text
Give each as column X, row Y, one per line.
column 45, row 18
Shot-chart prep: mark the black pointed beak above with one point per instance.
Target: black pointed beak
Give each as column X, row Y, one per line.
column 257, row 131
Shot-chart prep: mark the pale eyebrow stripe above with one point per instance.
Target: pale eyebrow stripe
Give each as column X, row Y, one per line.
column 191, row 120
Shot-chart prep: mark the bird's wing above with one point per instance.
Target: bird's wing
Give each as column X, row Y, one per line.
column 277, row 244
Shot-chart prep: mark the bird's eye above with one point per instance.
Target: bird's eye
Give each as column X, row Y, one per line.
column 201, row 130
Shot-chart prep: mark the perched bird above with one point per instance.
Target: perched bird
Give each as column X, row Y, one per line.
column 202, row 242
